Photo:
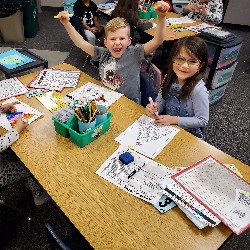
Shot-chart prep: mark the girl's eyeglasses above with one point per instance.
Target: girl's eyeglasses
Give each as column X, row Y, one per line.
column 190, row 62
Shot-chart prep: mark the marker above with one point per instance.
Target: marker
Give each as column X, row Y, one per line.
column 58, row 16
column 135, row 171
column 151, row 101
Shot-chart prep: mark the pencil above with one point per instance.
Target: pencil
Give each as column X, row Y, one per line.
column 58, row 16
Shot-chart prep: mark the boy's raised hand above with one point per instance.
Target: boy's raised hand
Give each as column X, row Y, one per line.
column 162, row 8
column 64, row 16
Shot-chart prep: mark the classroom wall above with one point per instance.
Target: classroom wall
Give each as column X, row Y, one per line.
column 237, row 12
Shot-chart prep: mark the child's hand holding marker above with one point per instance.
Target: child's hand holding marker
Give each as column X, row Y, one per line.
column 160, row 120
column 152, row 108
column 61, row 14
column 64, row 16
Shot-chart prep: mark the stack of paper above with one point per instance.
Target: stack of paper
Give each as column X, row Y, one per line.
column 212, row 192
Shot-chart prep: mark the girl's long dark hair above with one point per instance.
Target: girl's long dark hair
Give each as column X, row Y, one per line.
column 196, row 47
column 127, row 9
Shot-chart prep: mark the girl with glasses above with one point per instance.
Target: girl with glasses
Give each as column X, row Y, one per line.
column 183, row 98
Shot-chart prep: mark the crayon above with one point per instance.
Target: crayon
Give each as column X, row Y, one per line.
column 58, row 16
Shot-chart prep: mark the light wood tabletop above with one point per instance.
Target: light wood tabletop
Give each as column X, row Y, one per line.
column 171, row 35
column 107, row 216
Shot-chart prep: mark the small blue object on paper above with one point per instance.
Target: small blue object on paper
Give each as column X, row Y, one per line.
column 164, row 204
column 126, row 158
column 12, row 59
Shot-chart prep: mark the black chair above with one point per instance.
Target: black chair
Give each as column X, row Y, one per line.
column 73, row 241
column 8, row 205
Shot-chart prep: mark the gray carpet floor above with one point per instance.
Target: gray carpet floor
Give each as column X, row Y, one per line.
column 228, row 130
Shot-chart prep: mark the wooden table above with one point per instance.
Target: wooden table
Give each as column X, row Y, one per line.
column 170, row 32
column 107, row 216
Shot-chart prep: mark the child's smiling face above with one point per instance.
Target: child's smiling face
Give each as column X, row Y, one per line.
column 186, row 65
column 118, row 41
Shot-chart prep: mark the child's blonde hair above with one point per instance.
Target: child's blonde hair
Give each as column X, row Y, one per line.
column 115, row 24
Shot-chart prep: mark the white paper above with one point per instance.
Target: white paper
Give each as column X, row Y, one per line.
column 54, row 79
column 180, row 20
column 238, row 215
column 242, row 197
column 215, row 186
column 147, row 138
column 20, row 107
column 198, row 27
column 11, row 87
column 144, row 184
column 92, row 91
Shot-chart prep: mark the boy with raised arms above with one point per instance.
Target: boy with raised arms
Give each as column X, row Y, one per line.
column 119, row 63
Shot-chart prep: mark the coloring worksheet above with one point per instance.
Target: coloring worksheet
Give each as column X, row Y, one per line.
column 52, row 100
column 147, row 138
column 140, row 178
column 8, row 121
column 56, row 79
column 91, row 91
column 11, row 87
column 215, row 186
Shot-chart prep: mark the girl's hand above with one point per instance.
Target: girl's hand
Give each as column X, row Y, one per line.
column 21, row 124
column 192, row 7
column 151, row 108
column 10, row 107
column 162, row 8
column 166, row 120
column 203, row 10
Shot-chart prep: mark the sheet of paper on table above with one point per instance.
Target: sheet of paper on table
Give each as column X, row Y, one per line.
column 144, row 183
column 91, row 91
column 20, row 107
column 180, row 20
column 147, row 138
